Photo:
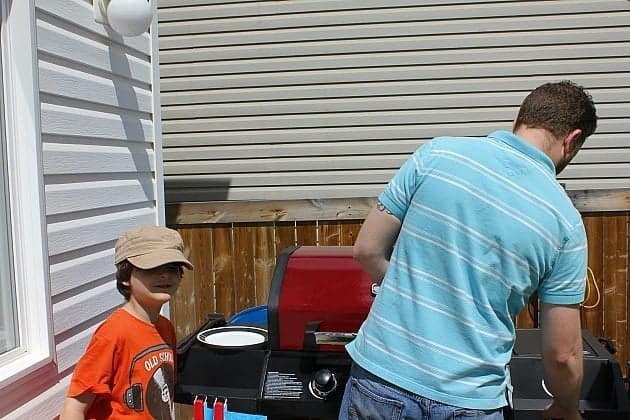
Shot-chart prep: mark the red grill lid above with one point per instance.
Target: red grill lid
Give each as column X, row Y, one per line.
column 316, row 288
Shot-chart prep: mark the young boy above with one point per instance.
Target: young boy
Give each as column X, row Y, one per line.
column 128, row 369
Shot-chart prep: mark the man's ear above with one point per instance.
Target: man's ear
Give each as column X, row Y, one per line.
column 570, row 141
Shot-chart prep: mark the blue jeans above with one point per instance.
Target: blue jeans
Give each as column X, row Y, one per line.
column 369, row 397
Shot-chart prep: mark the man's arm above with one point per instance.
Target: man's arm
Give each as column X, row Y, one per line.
column 75, row 408
column 562, row 358
column 375, row 241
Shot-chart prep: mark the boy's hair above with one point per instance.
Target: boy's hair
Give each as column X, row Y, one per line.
column 559, row 108
column 123, row 275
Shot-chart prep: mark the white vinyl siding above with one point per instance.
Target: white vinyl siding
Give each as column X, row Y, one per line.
column 326, row 98
column 101, row 170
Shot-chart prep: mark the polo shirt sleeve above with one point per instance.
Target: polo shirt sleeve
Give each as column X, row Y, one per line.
column 401, row 188
column 566, row 283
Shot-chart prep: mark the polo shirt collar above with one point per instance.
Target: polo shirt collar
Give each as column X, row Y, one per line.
column 527, row 149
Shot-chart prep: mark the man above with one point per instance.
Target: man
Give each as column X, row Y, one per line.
column 461, row 237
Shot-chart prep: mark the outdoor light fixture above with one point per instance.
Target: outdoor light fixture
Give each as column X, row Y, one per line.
column 127, row 17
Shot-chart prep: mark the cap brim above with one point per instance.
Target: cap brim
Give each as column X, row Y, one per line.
column 158, row 258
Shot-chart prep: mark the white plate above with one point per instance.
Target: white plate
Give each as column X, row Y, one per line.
column 233, row 337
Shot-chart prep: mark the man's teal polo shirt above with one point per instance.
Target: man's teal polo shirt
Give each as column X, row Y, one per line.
column 484, row 224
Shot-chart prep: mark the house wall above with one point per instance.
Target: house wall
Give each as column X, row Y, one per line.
column 99, row 135
column 277, row 100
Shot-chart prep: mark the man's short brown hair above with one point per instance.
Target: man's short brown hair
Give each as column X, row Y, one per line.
column 559, row 108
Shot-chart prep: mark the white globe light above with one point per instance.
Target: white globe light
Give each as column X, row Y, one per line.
column 129, row 17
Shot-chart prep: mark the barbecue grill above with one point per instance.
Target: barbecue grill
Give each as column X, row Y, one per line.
column 297, row 366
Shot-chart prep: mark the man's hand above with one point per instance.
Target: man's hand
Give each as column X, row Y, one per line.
column 553, row 412
column 562, row 359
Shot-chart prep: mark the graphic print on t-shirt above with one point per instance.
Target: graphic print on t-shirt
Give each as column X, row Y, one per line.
column 151, row 379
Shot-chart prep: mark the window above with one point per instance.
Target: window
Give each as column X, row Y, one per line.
column 25, row 327
column 8, row 318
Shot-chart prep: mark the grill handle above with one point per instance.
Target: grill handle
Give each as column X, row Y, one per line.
column 333, row 338
column 313, row 338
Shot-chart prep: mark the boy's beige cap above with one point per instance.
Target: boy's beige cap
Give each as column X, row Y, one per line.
column 151, row 246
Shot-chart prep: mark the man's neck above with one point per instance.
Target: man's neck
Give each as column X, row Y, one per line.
column 539, row 138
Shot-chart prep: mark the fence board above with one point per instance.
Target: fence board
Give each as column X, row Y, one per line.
column 215, row 212
column 615, row 281
column 627, row 263
column 183, row 307
column 203, row 282
column 592, row 312
column 223, row 269
column 306, row 233
column 244, row 284
column 349, row 232
column 330, row 233
column 264, row 261
column 621, row 278
column 528, row 318
column 524, row 320
column 285, row 235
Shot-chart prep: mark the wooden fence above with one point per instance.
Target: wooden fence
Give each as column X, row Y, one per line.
column 234, row 259
column 234, row 264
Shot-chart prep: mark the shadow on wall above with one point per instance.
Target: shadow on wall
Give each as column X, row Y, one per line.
column 188, row 189
column 184, row 188
column 131, row 116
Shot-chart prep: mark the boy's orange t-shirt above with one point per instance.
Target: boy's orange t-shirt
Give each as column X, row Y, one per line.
column 130, row 366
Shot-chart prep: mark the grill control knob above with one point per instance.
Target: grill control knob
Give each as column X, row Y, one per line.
column 323, row 384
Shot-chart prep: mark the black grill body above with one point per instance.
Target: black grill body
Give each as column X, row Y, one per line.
column 603, row 395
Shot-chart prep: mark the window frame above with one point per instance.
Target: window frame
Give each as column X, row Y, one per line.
column 22, row 132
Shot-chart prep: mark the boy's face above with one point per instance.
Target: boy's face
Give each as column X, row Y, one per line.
column 156, row 286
